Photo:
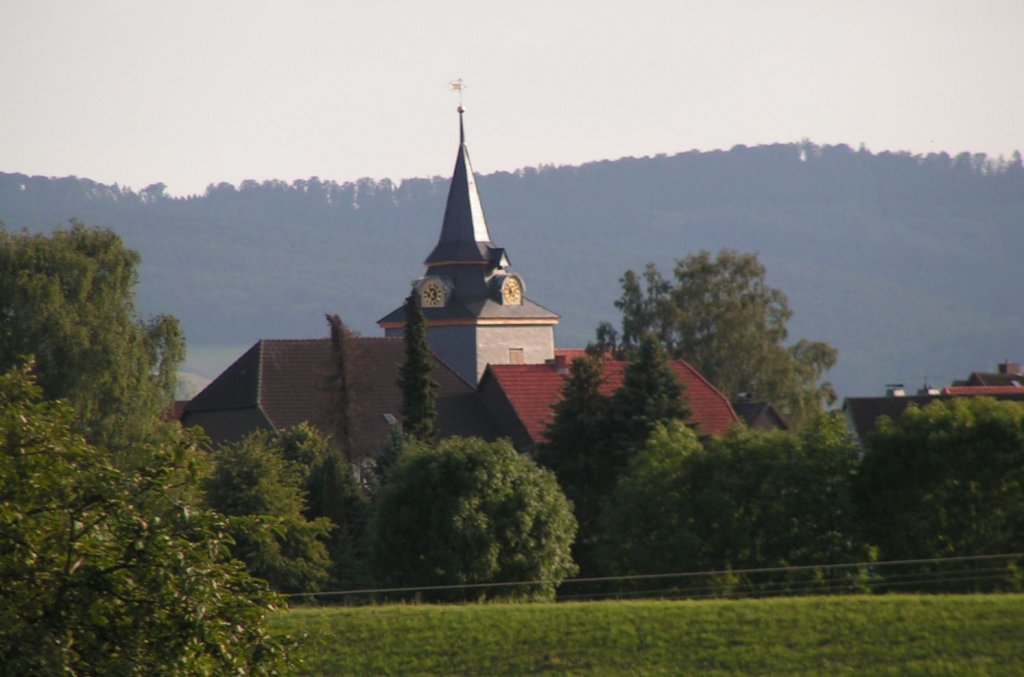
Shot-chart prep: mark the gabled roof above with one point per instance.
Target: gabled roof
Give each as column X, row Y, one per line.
column 521, row 396
column 464, row 234
column 760, row 415
column 531, row 390
column 238, row 387
column 982, row 378
column 281, row 383
column 863, row 413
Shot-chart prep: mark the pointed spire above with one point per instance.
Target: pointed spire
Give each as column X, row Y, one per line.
column 464, row 235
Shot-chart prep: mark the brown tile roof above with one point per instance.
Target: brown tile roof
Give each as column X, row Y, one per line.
column 863, row 413
column 294, row 382
column 980, row 378
column 287, row 382
column 533, row 389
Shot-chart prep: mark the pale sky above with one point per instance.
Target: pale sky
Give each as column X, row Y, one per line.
column 195, row 92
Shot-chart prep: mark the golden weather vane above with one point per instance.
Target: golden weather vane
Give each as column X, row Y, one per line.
column 458, row 86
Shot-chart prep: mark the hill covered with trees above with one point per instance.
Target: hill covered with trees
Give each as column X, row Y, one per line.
column 908, row 264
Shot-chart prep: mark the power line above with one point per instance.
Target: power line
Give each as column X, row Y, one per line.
column 831, row 583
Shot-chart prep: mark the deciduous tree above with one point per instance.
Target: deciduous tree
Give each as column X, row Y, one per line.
column 749, row 499
column 106, row 570
column 254, row 481
column 946, row 480
column 593, row 437
column 720, row 315
column 472, row 512
column 332, row 493
column 67, row 299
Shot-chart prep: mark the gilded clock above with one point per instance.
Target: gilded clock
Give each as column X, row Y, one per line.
column 432, row 294
column 512, row 291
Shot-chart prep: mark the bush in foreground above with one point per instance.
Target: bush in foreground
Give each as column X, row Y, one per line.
column 471, row 512
column 947, row 480
column 254, row 482
column 748, row 500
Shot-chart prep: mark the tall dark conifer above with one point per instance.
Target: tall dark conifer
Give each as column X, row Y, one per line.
column 651, row 393
column 341, row 405
column 577, row 450
column 419, row 389
column 578, row 430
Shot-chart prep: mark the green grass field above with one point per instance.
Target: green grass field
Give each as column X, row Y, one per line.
column 915, row 634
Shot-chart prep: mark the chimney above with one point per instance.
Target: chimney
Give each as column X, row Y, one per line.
column 895, row 390
column 1011, row 368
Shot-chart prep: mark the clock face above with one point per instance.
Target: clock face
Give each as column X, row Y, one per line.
column 512, row 292
column 432, row 295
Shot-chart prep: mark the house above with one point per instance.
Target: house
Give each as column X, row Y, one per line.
column 521, row 397
column 863, row 413
column 760, row 415
column 493, row 348
column 278, row 384
column 1007, row 374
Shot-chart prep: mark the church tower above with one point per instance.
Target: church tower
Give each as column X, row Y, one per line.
column 476, row 309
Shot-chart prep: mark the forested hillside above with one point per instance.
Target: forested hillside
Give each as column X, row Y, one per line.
column 909, row 265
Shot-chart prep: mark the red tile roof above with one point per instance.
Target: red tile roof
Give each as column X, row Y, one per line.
column 533, row 389
column 570, row 354
column 983, row 390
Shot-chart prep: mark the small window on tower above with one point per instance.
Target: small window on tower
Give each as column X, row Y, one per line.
column 515, row 356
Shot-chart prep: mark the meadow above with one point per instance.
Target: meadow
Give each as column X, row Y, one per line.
column 889, row 634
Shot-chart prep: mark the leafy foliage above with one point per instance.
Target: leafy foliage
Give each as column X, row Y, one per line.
column 651, row 393
column 593, row 437
column 67, row 300
column 721, row 316
column 578, row 450
column 578, row 432
column 335, row 494
column 419, row 389
column 255, row 480
column 946, row 480
column 112, row 571
column 747, row 500
column 472, row 512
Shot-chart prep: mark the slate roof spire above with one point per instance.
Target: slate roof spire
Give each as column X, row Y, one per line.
column 464, row 235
